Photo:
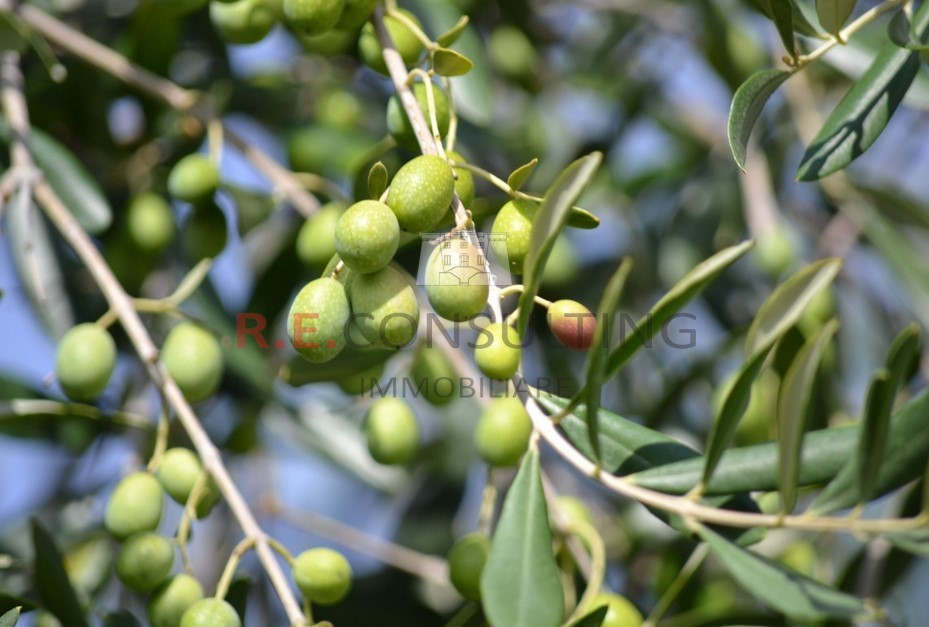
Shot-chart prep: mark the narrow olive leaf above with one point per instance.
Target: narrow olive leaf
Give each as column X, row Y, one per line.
column 800, row 23
column 784, row 307
column 792, row 405
column 9, row 619
column 377, row 180
column 873, row 439
column 898, row 30
column 915, row 541
column 51, row 580
column 121, row 619
column 903, row 355
column 781, row 13
column 582, row 219
column 779, row 587
column 599, row 351
column 521, row 583
column 909, row 441
column 450, row 36
column 520, row 175
column 447, row 62
column 679, row 295
column 747, row 103
column 548, row 223
column 594, row 619
column 834, row 13
column 731, row 412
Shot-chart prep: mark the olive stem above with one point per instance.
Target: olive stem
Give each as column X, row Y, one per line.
column 214, row 133
column 21, row 407
column 418, row 32
column 670, row 595
column 430, row 105
column 232, row 564
column 498, row 182
column 452, row 135
column 337, row 270
column 161, row 436
column 190, row 511
column 594, row 544
column 488, row 504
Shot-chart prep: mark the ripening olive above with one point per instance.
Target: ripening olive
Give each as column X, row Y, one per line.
column 391, row 431
column 620, row 613
column 135, row 505
column 513, row 226
column 145, row 561
column 367, row 236
column 85, row 361
column 355, row 13
column 434, row 375
column 323, row 576
column 385, row 307
column 407, row 44
column 204, row 234
column 242, row 21
column 457, row 282
column 150, row 222
column 317, row 320
column 502, row 433
column 421, row 193
column 398, row 123
column 466, row 561
column 172, row 599
column 210, row 612
column 193, row 179
column 464, row 184
column 194, row 360
column 497, row 351
column 572, row 323
column 178, row 473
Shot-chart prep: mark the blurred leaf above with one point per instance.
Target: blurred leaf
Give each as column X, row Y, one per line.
column 792, row 407
column 595, row 372
column 781, row 12
column 252, row 207
column 298, row 371
column 899, row 29
column 915, row 541
column 10, row 618
column 903, row 355
column 800, row 23
column 672, row 302
column 747, row 103
column 121, row 619
column 787, row 303
column 549, row 221
column 450, row 36
column 521, row 583
column 784, row 590
column 52, row 582
column 11, row 33
column 582, row 219
column 9, row 602
column 520, row 175
column 594, row 619
column 237, row 596
column 872, row 441
column 834, row 13
column 447, row 62
column 377, row 180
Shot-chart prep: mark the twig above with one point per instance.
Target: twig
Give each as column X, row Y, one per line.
column 687, row 571
column 36, row 407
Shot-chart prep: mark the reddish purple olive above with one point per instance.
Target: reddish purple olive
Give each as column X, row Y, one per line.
column 572, row 323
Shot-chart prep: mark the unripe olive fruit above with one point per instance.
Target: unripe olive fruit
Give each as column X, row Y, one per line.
column 313, row 17
column 502, row 433
column 193, row 179
column 775, row 251
column 204, row 234
column 391, row 431
column 457, row 282
column 361, row 382
column 85, row 361
column 135, row 506
column 178, row 473
column 323, row 576
column 367, row 236
column 398, row 123
column 407, row 44
column 497, row 351
column 572, row 323
column 421, row 193
column 194, row 360
column 344, row 276
column 316, row 238
column 145, row 561
column 242, row 21
column 434, row 375
column 385, row 307
column 620, row 613
column 466, row 561
column 464, row 184
column 511, row 52
column 150, row 222
column 172, row 599
column 210, row 612
column 561, row 268
column 513, row 226
column 574, row 510
column 355, row 13
column 316, row 324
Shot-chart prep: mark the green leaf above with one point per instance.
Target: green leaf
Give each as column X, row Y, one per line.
column 549, row 221
column 237, row 596
column 915, row 541
column 872, row 441
column 298, row 371
column 450, row 36
column 582, row 219
column 903, row 355
column 678, row 296
column 597, row 356
column 782, row 589
column 786, row 304
column 898, row 30
column 377, row 180
column 781, row 13
column 800, row 23
column 834, row 13
column 521, row 583
column 121, row 619
column 747, row 104
column 594, row 619
column 51, row 580
column 520, row 175
column 447, row 62
column 252, row 207
column 792, row 406
column 10, row 618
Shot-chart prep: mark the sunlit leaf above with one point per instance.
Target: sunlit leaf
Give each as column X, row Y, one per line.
column 9, row 619
column 520, row 175
column 747, row 104
column 834, row 13
column 447, row 62
column 450, row 36
column 377, row 180
column 582, row 219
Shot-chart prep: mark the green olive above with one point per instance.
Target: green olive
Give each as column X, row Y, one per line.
column 434, row 375
column 775, row 251
column 193, row 179
column 511, row 231
column 620, row 613
column 242, row 21
column 398, row 123
column 194, row 360
column 340, row 108
column 204, row 233
column 466, row 561
column 464, row 184
column 145, row 561
column 316, row 239
column 150, row 222
column 178, row 473
column 85, row 361
column 421, row 193
column 457, row 282
column 407, row 44
column 385, row 307
column 503, row 431
column 318, row 319
column 313, row 17
column 355, row 13
column 344, row 276
column 497, row 351
column 572, row 323
column 574, row 510
column 135, row 506
column 511, row 52
column 210, row 613
column 172, row 599
column 361, row 382
column 367, row 236
column 392, row 431
column 323, row 576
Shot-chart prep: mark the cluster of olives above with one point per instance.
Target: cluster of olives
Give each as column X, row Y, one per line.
column 194, row 179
